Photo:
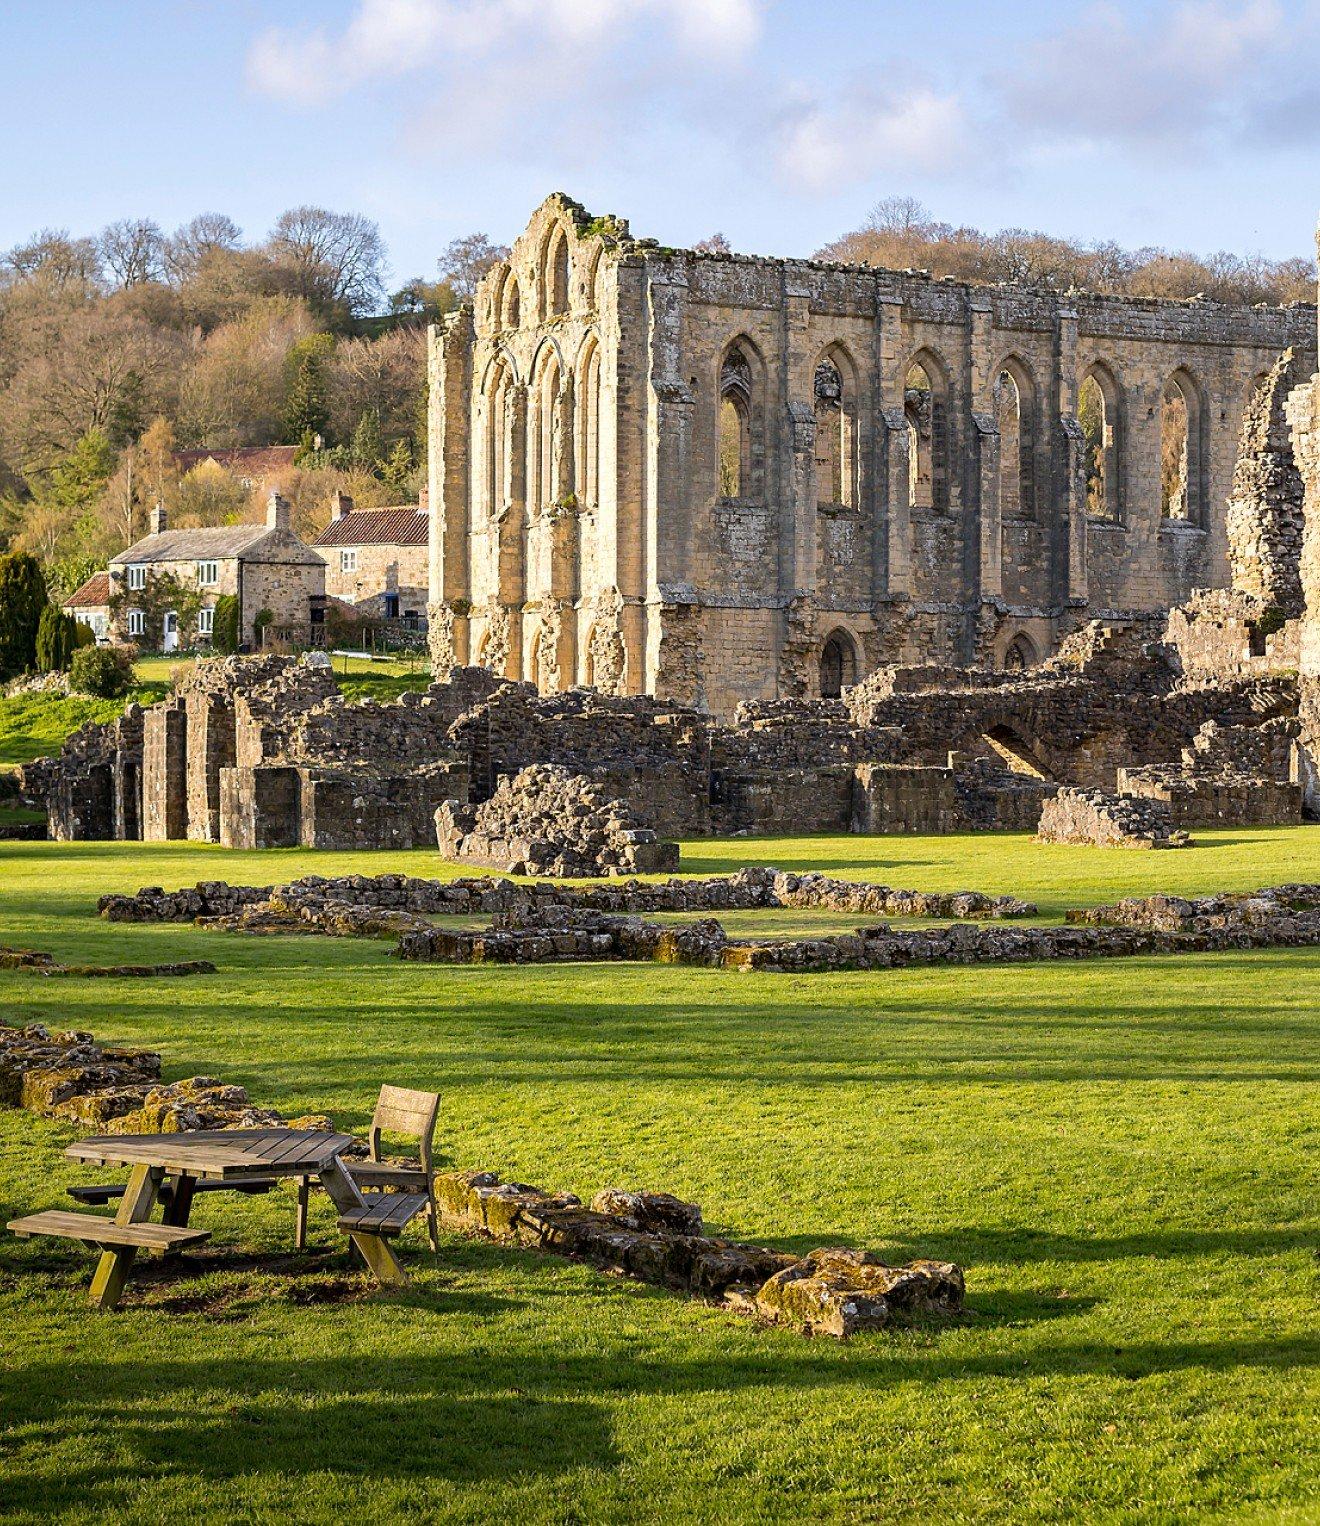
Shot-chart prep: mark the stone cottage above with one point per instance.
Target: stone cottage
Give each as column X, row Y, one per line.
column 714, row 478
column 279, row 581
column 376, row 559
column 89, row 603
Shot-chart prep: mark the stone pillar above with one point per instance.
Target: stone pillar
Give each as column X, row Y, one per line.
column 210, row 747
column 164, row 772
column 449, row 375
column 892, row 536
column 1069, row 530
column 670, row 407
column 990, row 579
column 511, row 525
column 797, row 520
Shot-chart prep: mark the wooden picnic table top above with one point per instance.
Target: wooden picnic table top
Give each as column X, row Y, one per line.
column 219, row 1152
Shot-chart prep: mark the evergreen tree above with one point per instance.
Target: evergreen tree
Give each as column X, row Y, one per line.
column 57, row 640
column 22, row 599
column 306, row 397
column 367, row 446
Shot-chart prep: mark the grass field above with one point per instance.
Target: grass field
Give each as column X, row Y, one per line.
column 1122, row 1154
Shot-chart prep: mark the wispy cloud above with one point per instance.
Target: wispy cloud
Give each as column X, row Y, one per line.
column 390, row 39
column 827, row 144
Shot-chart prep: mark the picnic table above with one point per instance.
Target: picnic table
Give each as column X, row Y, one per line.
column 168, row 1168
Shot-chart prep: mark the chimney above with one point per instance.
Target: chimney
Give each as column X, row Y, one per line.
column 159, row 520
column 277, row 512
column 341, row 505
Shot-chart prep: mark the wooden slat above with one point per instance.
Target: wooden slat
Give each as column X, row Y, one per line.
column 249, row 1184
column 402, row 1111
column 216, row 1152
column 385, row 1213
column 92, row 1229
column 370, row 1173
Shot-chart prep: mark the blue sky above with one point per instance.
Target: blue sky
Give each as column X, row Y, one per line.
column 778, row 122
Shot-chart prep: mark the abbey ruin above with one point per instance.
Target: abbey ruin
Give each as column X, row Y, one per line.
column 617, row 660
column 713, row 478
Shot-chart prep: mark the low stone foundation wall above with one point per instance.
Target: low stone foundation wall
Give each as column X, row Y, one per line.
column 314, row 899
column 37, row 962
column 658, row 1239
column 1289, row 917
column 1096, row 817
column 68, row 1075
column 1267, row 908
column 548, row 821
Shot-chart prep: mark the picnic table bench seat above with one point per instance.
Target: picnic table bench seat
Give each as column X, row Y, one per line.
column 386, row 1213
column 105, row 1192
column 93, row 1229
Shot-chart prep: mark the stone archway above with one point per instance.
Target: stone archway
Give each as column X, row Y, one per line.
column 838, row 665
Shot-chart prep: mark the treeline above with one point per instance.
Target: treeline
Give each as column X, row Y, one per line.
column 900, row 234
column 119, row 349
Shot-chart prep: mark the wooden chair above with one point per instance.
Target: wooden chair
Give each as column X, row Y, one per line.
column 413, row 1115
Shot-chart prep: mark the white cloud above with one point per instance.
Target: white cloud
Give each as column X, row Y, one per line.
column 825, row 146
column 388, row 39
column 1195, row 68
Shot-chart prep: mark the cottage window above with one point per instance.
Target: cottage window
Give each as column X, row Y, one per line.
column 208, row 574
column 205, row 620
column 137, row 622
column 137, row 576
column 348, row 560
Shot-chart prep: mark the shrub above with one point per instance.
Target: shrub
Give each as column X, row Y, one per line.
column 83, row 635
column 224, row 629
column 103, row 671
column 22, row 599
column 57, row 640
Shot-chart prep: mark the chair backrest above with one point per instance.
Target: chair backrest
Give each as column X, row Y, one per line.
column 410, row 1113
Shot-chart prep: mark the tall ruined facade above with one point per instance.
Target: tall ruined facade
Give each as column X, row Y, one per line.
column 1304, row 414
column 715, row 478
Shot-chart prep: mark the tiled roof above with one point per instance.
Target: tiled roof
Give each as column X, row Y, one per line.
column 215, row 541
column 89, row 595
column 256, row 462
column 404, row 525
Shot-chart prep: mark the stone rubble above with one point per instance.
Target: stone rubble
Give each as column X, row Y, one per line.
column 69, row 1076
column 659, row 1239
column 37, row 962
column 548, row 821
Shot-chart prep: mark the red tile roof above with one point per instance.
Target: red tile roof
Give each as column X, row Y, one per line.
column 91, row 594
column 258, row 463
column 404, row 525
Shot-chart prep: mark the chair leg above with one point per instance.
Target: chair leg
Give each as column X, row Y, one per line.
column 433, row 1230
column 300, row 1214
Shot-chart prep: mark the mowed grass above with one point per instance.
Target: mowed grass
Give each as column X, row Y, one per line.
column 1122, row 1154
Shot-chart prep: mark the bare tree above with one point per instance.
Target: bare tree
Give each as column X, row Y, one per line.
column 189, row 246
column 466, row 260
column 333, row 259
column 56, row 257
column 715, row 244
column 133, row 250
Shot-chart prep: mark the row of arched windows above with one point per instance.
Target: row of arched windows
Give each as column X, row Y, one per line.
column 550, row 441
column 553, row 295
column 740, row 449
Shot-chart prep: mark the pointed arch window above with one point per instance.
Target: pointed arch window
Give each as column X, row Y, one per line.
column 836, row 436
column 1182, row 496
column 1097, row 412
column 926, row 404
column 1015, row 418
column 735, row 425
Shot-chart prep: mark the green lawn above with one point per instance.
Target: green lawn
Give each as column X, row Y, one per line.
column 1122, row 1154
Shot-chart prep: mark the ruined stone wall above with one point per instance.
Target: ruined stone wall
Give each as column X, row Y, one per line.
column 1304, row 416
column 584, row 530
